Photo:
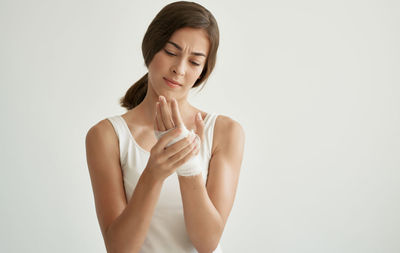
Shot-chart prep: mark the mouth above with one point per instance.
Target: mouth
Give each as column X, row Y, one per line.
column 171, row 83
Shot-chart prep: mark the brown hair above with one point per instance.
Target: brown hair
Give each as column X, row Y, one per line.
column 171, row 18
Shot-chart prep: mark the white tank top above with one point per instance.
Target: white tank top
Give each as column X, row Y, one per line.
column 167, row 231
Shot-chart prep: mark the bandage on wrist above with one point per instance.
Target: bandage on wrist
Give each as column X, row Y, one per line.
column 190, row 167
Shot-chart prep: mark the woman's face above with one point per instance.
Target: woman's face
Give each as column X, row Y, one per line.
column 181, row 60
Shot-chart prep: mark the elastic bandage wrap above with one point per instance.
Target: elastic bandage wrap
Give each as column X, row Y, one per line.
column 192, row 166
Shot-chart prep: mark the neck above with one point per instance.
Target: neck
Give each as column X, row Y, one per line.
column 148, row 107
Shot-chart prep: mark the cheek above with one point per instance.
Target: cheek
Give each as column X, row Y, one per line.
column 158, row 62
column 155, row 67
column 197, row 73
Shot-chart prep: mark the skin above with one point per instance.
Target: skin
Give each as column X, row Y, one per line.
column 206, row 206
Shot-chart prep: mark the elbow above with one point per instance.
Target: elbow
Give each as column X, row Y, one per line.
column 209, row 244
column 212, row 240
column 114, row 248
column 207, row 248
column 108, row 242
column 114, row 245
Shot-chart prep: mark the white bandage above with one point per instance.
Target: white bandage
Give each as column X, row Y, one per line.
column 192, row 166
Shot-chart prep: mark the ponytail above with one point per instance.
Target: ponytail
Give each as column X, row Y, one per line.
column 135, row 94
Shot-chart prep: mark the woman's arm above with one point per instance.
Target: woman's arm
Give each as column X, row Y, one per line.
column 206, row 208
column 128, row 231
column 123, row 225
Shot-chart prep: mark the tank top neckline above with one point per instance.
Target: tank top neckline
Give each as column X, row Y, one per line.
column 133, row 139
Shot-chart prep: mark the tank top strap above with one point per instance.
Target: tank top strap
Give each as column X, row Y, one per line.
column 209, row 123
column 123, row 135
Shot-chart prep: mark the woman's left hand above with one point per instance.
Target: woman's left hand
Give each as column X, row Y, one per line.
column 166, row 120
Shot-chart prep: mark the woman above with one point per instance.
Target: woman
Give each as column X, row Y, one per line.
column 146, row 199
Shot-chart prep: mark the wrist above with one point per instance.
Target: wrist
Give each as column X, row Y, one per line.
column 151, row 179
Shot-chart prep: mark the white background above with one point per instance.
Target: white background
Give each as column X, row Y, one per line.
column 315, row 85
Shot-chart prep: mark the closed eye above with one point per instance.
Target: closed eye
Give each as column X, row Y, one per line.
column 169, row 53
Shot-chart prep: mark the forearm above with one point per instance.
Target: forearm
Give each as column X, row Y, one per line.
column 128, row 232
column 203, row 221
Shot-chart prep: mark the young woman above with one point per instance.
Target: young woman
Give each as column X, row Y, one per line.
column 157, row 186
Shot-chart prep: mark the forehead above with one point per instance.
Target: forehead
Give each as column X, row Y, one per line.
column 191, row 39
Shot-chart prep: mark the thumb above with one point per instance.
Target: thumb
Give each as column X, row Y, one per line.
column 199, row 126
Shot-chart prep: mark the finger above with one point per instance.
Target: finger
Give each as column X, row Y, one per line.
column 199, row 126
column 184, row 159
column 156, row 128
column 178, row 146
column 176, row 116
column 166, row 114
column 197, row 145
column 184, row 153
column 167, row 138
column 159, row 120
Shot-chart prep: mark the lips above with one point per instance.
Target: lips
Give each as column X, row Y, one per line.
column 172, row 83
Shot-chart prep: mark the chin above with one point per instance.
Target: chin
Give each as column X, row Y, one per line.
column 165, row 93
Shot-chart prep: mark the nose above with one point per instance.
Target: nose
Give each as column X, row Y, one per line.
column 178, row 67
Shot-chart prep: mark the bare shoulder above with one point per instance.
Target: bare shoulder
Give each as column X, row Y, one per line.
column 227, row 131
column 102, row 146
column 103, row 128
column 102, row 134
column 102, row 155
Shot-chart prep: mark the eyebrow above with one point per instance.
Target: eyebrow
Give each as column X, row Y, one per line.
column 179, row 48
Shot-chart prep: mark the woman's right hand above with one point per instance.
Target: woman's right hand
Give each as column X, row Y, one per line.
column 165, row 160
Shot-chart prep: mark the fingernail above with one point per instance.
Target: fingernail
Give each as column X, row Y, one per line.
column 199, row 116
